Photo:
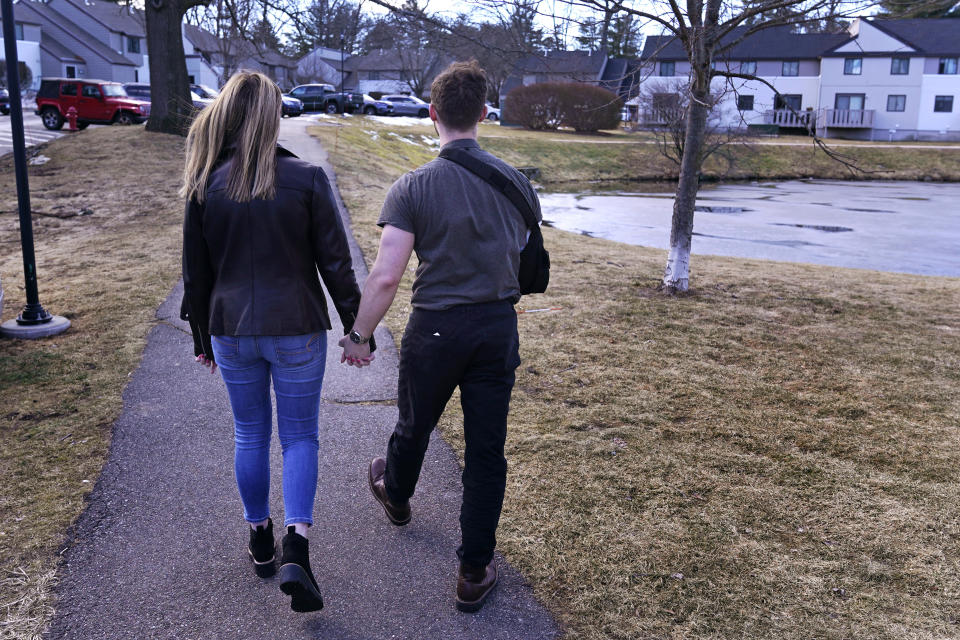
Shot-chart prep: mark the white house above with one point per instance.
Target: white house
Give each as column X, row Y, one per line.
column 884, row 79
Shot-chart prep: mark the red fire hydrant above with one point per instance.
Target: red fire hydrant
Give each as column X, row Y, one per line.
column 72, row 118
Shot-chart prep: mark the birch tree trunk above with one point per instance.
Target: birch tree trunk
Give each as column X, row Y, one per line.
column 170, row 104
column 676, row 276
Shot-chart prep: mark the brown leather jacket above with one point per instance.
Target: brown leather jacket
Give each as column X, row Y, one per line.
column 251, row 268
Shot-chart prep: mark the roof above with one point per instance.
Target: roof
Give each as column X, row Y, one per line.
column 585, row 63
column 774, row 43
column 115, row 17
column 209, row 43
column 622, row 76
column 379, row 60
column 69, row 35
column 933, row 36
column 201, row 38
column 52, row 46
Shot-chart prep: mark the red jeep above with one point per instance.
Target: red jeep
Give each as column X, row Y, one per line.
column 96, row 102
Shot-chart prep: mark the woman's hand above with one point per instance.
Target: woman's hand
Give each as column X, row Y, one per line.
column 202, row 359
column 356, row 354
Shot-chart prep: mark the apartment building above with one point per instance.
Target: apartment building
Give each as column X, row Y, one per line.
column 107, row 41
column 882, row 80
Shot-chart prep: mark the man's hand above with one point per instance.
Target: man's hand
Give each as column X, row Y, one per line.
column 356, row 354
column 202, row 359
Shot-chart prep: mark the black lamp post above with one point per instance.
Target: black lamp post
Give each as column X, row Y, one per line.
column 34, row 321
column 343, row 89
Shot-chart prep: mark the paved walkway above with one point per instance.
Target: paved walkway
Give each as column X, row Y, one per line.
column 160, row 551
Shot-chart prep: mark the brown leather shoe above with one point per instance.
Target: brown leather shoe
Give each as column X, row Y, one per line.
column 474, row 585
column 398, row 514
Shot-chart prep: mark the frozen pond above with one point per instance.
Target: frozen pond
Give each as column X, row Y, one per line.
column 889, row 226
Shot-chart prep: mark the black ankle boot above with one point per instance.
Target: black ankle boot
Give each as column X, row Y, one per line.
column 296, row 578
column 263, row 550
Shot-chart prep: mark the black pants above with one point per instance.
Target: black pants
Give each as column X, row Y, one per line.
column 475, row 347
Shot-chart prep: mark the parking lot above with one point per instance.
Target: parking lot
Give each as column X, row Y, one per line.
column 33, row 132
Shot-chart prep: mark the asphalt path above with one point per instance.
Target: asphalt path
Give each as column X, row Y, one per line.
column 33, row 131
column 160, row 551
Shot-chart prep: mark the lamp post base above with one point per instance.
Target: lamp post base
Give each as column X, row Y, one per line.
column 12, row 329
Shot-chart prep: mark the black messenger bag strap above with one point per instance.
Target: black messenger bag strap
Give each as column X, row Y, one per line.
column 495, row 177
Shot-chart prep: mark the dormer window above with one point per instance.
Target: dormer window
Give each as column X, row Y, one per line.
column 852, row 66
column 667, row 68
column 790, row 68
column 948, row 66
column 749, row 68
column 133, row 45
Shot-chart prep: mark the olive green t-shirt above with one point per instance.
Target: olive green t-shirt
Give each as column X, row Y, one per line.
column 467, row 234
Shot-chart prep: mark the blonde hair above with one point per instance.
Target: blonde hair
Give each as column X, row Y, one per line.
column 246, row 117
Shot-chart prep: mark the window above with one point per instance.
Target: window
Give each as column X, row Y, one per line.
column 133, row 45
column 68, row 89
column 18, row 30
column 783, row 102
column 948, row 66
column 668, row 68
column 190, row 79
column 373, row 75
column 745, row 103
column 849, row 101
column 790, row 68
column 136, row 76
column 943, row 104
column 90, row 91
column 72, row 73
column 900, row 66
column 896, row 103
column 749, row 68
column 852, row 66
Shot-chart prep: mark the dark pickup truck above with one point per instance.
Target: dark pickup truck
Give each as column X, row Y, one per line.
column 323, row 97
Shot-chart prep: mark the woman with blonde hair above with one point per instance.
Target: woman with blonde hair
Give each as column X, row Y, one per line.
column 260, row 225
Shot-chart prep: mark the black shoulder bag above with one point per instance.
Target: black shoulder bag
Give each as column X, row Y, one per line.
column 534, row 274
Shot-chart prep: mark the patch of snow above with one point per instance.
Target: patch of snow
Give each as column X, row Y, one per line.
column 403, row 139
column 399, row 121
column 430, row 142
column 40, row 159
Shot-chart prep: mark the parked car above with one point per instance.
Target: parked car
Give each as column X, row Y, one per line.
column 291, row 106
column 141, row 91
column 323, row 97
column 4, row 102
column 493, row 113
column 372, row 107
column 204, row 91
column 408, row 105
column 96, row 101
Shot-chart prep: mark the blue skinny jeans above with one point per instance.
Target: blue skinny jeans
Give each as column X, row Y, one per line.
column 296, row 364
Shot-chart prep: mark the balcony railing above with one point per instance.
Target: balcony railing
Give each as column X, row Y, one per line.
column 662, row 116
column 788, row 118
column 846, row 118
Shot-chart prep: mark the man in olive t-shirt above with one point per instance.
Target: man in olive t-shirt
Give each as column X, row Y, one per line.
column 463, row 329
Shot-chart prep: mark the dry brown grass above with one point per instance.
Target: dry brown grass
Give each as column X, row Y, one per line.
column 774, row 455
column 106, row 271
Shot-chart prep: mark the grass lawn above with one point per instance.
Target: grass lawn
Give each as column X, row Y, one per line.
column 620, row 157
column 107, row 269
column 774, row 455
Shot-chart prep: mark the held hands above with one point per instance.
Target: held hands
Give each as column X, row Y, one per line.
column 202, row 359
column 357, row 355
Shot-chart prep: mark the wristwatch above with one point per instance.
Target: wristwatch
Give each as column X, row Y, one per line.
column 356, row 338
